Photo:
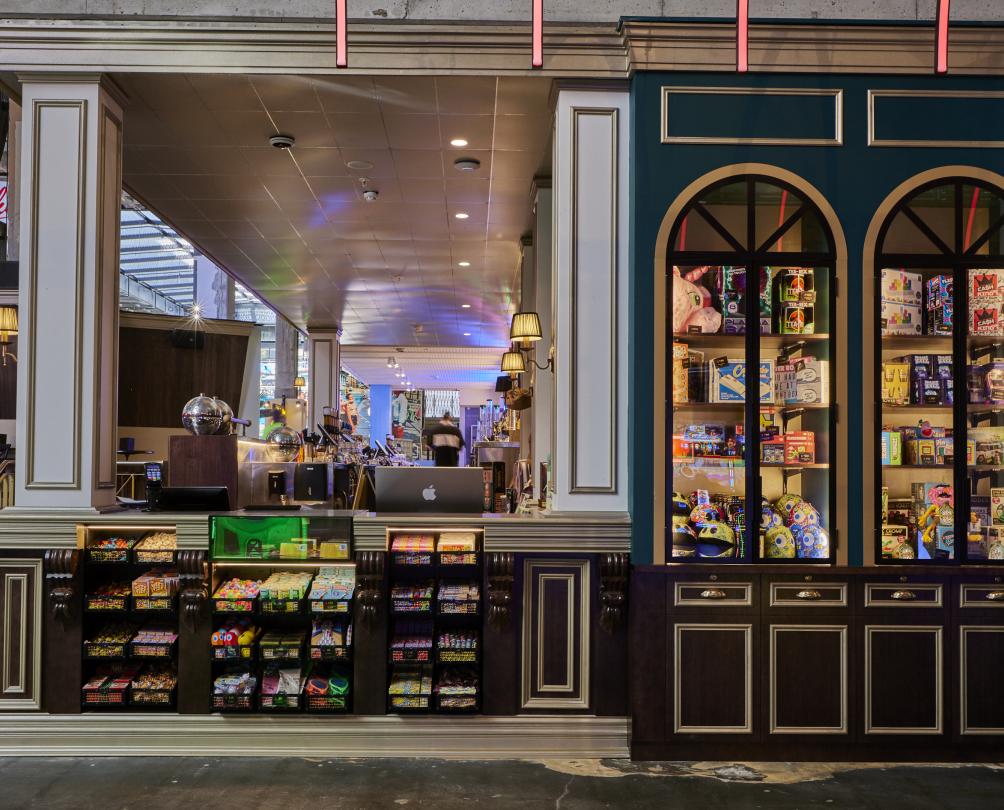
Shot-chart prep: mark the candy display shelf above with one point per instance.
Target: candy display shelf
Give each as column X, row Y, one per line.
column 436, row 599
column 282, row 641
column 129, row 652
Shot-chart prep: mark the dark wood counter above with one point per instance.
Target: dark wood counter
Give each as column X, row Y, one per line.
column 811, row 663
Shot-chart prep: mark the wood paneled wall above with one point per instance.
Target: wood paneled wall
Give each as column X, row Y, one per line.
column 156, row 379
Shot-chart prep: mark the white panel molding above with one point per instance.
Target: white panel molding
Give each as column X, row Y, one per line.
column 20, row 575
column 325, row 364
column 591, row 299
column 67, row 375
column 134, row 734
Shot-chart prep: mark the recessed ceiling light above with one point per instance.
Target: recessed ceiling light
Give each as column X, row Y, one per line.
column 359, row 165
column 465, row 306
column 467, row 334
column 464, row 264
column 461, row 215
column 458, row 142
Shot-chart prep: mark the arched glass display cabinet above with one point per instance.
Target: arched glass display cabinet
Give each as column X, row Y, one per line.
column 750, row 377
column 940, row 388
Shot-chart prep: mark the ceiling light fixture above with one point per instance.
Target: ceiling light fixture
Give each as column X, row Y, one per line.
column 467, row 334
column 458, row 142
column 467, row 164
column 461, row 215
column 359, row 165
column 465, row 306
column 463, row 264
column 390, row 362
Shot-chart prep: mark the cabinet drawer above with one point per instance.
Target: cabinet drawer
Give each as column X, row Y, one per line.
column 982, row 595
column 712, row 593
column 904, row 595
column 807, row 592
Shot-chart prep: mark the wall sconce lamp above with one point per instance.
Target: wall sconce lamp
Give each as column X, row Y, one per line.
column 8, row 329
column 525, row 331
column 298, row 383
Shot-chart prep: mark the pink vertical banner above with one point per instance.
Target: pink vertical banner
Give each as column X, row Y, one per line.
column 341, row 36
column 537, row 59
column 742, row 35
column 941, row 37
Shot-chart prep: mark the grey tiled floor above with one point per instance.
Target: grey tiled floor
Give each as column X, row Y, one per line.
column 200, row 783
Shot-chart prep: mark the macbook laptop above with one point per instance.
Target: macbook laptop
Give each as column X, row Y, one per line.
column 430, row 490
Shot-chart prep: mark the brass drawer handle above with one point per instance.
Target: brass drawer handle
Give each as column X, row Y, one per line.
column 903, row 596
column 995, row 596
column 713, row 593
column 808, row 595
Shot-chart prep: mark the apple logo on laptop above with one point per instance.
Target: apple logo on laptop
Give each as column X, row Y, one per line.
column 429, row 493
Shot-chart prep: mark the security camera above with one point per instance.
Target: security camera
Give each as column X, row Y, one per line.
column 282, row 141
column 370, row 195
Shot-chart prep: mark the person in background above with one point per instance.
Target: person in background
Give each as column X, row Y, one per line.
column 275, row 424
column 446, row 441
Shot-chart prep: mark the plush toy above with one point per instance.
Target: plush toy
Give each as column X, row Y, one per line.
column 692, row 307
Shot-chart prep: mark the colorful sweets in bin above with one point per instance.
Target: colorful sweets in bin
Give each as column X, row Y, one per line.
column 237, row 588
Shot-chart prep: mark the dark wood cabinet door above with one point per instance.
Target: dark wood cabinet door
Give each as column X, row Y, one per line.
column 20, row 633
column 808, row 678
column 555, row 634
column 711, row 666
column 981, row 680
column 904, row 679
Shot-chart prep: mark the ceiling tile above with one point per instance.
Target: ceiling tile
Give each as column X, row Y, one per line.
column 413, row 131
column 225, row 92
column 461, row 190
column 320, row 162
column 358, row 130
column 347, row 94
column 520, row 96
column 477, row 130
column 418, row 164
column 288, row 189
column 381, row 162
column 287, row 93
column 246, row 127
column 423, row 191
column 310, row 129
column 227, row 210
column 469, row 95
column 406, row 94
column 519, row 132
column 221, row 187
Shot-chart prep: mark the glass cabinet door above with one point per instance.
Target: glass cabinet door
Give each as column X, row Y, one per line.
column 750, row 288
column 940, row 340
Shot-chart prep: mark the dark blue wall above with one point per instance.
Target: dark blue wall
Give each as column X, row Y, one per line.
column 855, row 178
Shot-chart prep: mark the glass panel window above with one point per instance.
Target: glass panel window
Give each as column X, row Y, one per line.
column 751, row 379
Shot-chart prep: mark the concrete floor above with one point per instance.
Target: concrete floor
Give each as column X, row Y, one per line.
column 290, row 784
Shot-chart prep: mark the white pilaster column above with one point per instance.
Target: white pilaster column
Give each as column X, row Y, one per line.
column 70, row 191
column 591, row 153
column 324, row 364
column 286, row 344
column 527, row 302
column 543, row 381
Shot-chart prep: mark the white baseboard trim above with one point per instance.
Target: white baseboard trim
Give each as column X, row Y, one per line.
column 523, row 737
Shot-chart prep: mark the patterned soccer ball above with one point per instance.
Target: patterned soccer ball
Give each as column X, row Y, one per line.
column 786, row 504
column 803, row 514
column 770, row 518
column 779, row 543
column 812, row 542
